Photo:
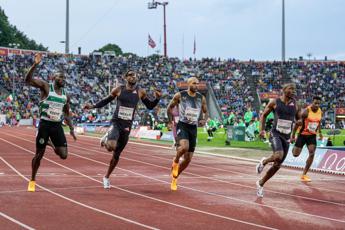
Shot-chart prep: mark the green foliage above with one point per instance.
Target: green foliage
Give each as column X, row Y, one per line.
column 111, row 47
column 10, row 34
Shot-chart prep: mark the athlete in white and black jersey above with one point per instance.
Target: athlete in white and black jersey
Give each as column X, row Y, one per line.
column 54, row 105
column 127, row 98
column 286, row 112
column 191, row 105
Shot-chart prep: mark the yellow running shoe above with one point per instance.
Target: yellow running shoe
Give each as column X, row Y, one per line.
column 174, row 169
column 31, row 186
column 173, row 185
column 305, row 178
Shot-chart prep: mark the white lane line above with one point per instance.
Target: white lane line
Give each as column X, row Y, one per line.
column 77, row 202
column 16, row 221
column 142, row 195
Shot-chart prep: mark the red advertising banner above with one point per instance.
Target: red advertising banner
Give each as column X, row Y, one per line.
column 333, row 160
column 27, row 52
column 183, row 85
column 14, row 51
column 340, row 111
column 3, row 52
column 269, row 95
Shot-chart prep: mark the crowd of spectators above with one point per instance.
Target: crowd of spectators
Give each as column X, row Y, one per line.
column 89, row 78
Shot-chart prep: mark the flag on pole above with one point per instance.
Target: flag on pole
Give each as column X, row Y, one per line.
column 152, row 43
column 194, row 47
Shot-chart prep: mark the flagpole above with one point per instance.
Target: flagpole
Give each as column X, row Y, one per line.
column 194, row 47
column 182, row 47
column 147, row 45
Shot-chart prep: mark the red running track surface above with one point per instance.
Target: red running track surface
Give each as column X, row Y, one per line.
column 214, row 192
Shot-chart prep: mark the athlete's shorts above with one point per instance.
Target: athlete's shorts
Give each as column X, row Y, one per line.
column 52, row 130
column 305, row 139
column 280, row 143
column 187, row 132
column 119, row 131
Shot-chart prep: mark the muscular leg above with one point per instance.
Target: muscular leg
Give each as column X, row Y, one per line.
column 277, row 158
column 296, row 151
column 110, row 145
column 310, row 159
column 187, row 158
column 120, row 146
column 181, row 150
column 61, row 152
column 36, row 161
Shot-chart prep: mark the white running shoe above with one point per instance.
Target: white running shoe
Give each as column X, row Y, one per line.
column 106, row 183
column 260, row 166
column 259, row 190
column 104, row 139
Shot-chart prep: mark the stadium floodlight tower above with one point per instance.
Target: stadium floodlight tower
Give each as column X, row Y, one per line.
column 14, row 46
column 154, row 5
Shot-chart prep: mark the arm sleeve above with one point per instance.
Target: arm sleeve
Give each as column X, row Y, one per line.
column 104, row 102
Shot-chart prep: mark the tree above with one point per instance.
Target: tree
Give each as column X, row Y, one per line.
column 10, row 34
column 111, row 47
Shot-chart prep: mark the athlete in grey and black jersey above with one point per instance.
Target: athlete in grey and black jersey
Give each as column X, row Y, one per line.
column 191, row 105
column 53, row 106
column 286, row 112
column 127, row 98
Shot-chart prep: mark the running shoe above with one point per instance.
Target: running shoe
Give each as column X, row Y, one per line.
column 259, row 190
column 106, row 183
column 305, row 178
column 104, row 139
column 260, row 166
column 173, row 185
column 174, row 169
column 31, row 186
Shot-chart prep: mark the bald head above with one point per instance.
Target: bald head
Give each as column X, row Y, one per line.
column 193, row 83
column 191, row 80
column 289, row 90
column 293, row 85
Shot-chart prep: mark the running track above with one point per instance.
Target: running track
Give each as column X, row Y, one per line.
column 214, row 192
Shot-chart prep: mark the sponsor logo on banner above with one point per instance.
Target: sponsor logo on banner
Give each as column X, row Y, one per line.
column 3, row 52
column 168, row 136
column 333, row 160
column 302, row 158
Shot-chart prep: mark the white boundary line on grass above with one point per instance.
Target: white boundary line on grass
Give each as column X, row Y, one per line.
column 226, row 156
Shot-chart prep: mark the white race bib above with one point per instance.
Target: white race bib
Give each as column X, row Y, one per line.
column 284, row 126
column 125, row 113
column 54, row 111
column 312, row 126
column 192, row 114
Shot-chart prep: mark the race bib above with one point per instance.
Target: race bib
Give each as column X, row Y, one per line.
column 54, row 111
column 54, row 114
column 312, row 126
column 125, row 113
column 192, row 114
column 284, row 126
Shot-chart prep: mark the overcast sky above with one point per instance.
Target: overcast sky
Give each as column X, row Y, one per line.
column 241, row 29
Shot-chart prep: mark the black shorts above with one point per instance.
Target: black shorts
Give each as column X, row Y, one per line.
column 305, row 139
column 119, row 131
column 52, row 130
column 280, row 143
column 187, row 132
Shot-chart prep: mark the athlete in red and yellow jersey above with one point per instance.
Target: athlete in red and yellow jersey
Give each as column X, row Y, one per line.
column 311, row 118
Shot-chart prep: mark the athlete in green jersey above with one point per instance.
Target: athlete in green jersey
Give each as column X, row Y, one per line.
column 54, row 107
